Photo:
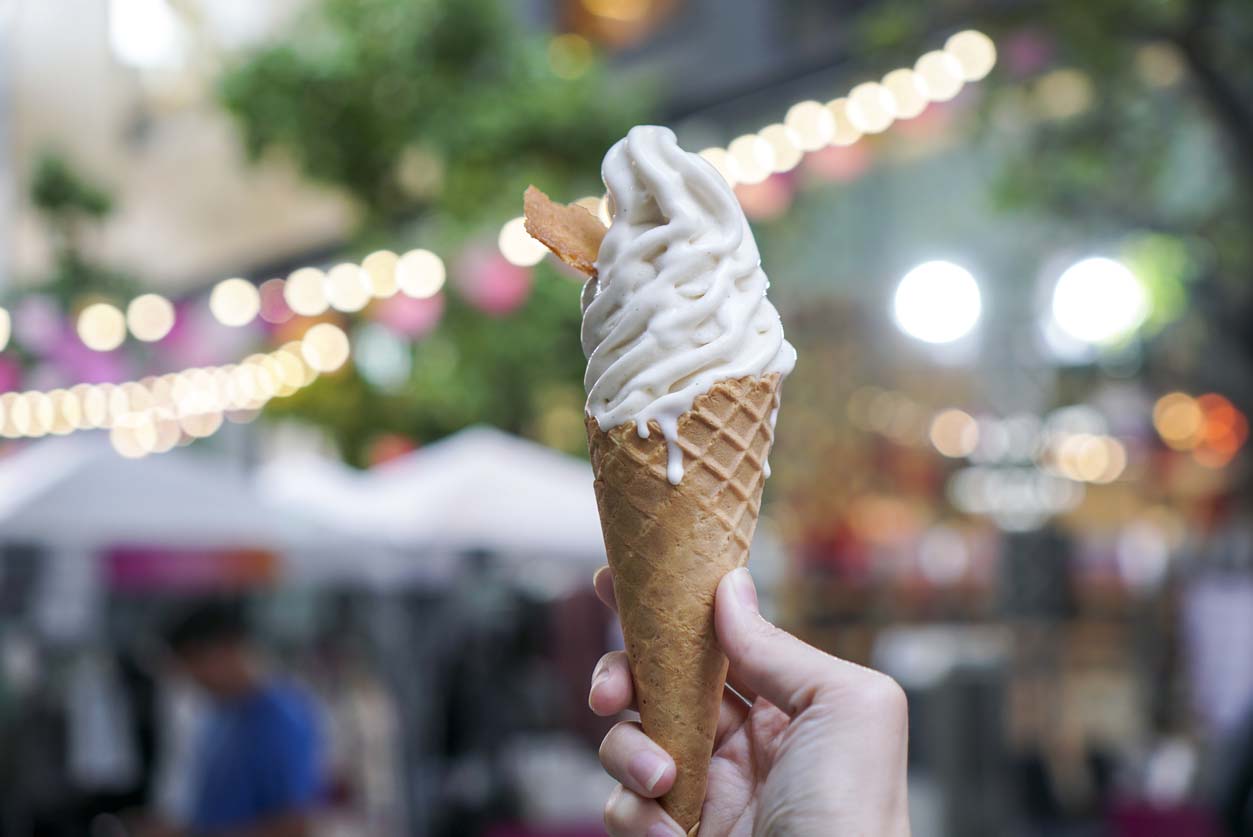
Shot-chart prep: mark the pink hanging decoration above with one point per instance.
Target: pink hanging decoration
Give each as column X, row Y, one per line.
column 768, row 199
column 408, row 317
column 490, row 283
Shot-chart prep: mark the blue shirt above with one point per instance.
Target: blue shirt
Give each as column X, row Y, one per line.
column 259, row 758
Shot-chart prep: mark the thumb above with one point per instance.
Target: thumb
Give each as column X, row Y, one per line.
column 771, row 662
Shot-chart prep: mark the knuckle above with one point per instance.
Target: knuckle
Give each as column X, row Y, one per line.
column 887, row 696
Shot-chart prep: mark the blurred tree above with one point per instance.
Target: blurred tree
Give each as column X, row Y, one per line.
column 1126, row 118
column 434, row 115
column 69, row 204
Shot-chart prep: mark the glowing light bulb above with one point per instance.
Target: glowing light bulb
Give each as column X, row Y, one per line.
column 870, row 107
column 325, row 347
column 234, row 302
column 754, row 159
column 975, row 53
column 785, row 146
column 812, row 123
column 907, row 99
column 939, row 76
column 347, row 287
column 937, row 302
column 150, row 317
column 305, row 292
column 420, row 274
column 954, row 433
column 844, row 132
column 101, row 327
column 380, row 267
column 1099, row 301
column 517, row 245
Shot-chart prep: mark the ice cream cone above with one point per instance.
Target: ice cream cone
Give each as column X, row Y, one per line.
column 669, row 546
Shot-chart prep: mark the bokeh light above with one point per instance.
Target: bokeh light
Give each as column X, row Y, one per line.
column 871, row 108
column 274, row 308
column 1098, row 301
column 954, row 433
column 753, row 156
column 939, row 75
column 937, row 302
column 101, row 327
column 1178, row 419
column 6, row 328
column 380, row 269
column 325, row 347
column 569, row 55
column 347, row 287
column 420, row 273
column 517, row 245
column 974, row 52
column 843, row 131
column 907, row 99
column 305, row 292
column 784, row 145
column 234, row 302
column 812, row 123
column 150, row 317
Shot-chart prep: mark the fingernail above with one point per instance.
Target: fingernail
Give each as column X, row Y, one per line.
column 744, row 589
column 664, row 829
column 647, row 768
column 599, row 675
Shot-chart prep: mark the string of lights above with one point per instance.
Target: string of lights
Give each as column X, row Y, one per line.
column 809, row 126
column 156, row 413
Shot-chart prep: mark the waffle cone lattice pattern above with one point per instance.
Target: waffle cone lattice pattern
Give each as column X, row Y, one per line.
column 669, row 546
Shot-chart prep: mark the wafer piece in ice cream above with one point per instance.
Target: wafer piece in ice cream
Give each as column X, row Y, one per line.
column 685, row 359
column 571, row 232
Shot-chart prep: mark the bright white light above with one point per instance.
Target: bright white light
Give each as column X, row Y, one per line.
column 937, row 302
column 145, row 33
column 517, row 245
column 1099, row 301
column 753, row 156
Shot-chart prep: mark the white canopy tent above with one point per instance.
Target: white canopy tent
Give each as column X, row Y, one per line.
column 480, row 490
column 76, row 491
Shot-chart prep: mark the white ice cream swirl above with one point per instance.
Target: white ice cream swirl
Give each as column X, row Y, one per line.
column 679, row 300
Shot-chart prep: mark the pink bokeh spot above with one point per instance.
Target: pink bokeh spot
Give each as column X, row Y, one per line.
column 839, row 163
column 77, row 364
column 490, row 283
column 1027, row 52
column 10, row 374
column 768, row 199
column 407, row 317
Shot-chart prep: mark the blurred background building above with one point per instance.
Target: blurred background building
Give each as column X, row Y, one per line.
column 270, row 330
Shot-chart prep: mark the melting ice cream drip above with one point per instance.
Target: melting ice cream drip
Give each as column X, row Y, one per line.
column 679, row 301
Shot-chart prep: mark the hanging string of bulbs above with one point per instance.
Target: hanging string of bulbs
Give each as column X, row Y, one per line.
column 154, row 414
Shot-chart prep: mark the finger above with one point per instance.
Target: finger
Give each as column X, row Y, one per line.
column 602, row 581
column 628, row 814
column 776, row 665
column 633, row 759
column 612, row 689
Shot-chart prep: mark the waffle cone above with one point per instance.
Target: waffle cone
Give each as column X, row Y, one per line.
column 669, row 546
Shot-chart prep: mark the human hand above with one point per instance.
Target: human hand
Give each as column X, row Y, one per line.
column 806, row 743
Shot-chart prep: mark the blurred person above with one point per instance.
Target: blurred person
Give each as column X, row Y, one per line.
column 257, row 765
column 806, row 744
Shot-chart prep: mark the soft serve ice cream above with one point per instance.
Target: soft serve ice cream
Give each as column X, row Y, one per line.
column 678, row 302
